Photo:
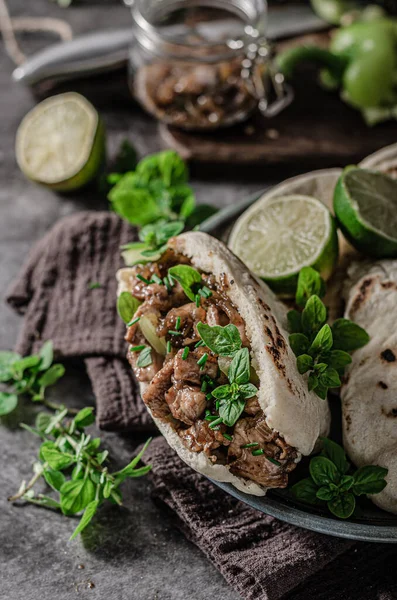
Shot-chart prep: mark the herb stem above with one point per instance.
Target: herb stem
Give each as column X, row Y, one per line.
column 29, row 486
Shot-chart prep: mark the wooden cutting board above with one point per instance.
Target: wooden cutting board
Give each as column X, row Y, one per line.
column 316, row 130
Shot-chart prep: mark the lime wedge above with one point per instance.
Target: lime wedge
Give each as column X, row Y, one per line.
column 278, row 236
column 365, row 204
column 61, row 142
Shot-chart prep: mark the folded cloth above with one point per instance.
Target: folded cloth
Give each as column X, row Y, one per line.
column 263, row 558
column 66, row 292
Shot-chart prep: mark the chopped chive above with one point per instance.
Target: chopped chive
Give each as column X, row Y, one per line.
column 178, row 323
column 217, row 404
column 137, row 348
column 171, row 280
column 228, row 437
column 172, row 332
column 204, row 386
column 210, row 417
column 274, row 461
column 200, row 343
column 201, row 361
column 198, row 300
column 156, row 279
column 167, row 284
column 215, row 423
column 207, row 291
column 258, row 452
column 169, row 347
column 94, row 285
column 133, row 321
column 185, row 353
column 209, row 396
column 252, row 445
column 142, row 278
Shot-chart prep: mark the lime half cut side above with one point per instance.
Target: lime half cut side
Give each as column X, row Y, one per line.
column 365, row 204
column 278, row 236
column 61, row 142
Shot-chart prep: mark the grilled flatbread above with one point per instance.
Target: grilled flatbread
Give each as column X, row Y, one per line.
column 369, row 394
column 284, row 419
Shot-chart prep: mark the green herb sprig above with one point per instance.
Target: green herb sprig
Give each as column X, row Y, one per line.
column 334, row 484
column 156, row 196
column 74, row 466
column 29, row 376
column 321, row 350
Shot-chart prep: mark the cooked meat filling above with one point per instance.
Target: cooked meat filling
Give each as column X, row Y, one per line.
column 180, row 383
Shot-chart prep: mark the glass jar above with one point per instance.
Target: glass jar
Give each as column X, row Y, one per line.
column 202, row 64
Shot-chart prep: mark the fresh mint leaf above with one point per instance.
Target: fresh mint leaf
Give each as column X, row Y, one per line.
column 323, row 471
column 52, row 375
column 319, row 368
column 314, row 315
column 337, row 359
column 20, row 366
column 46, row 355
column 189, row 278
column 299, row 343
column 321, row 390
column 221, row 392
column 247, row 390
column 8, row 403
column 325, row 493
column 55, row 479
column 183, row 200
column 369, row 480
column 230, row 410
column 7, row 360
column 346, row 483
column 145, row 357
column 294, row 321
column 76, row 495
column 330, row 378
column 310, row 283
column 224, row 341
column 167, row 166
column 133, row 201
column 312, row 383
column 239, row 370
column 306, row 491
column 348, row 336
column 87, row 516
column 127, row 305
column 130, row 469
column 56, row 459
column 343, row 505
column 84, row 417
column 304, row 363
column 322, row 342
column 335, row 454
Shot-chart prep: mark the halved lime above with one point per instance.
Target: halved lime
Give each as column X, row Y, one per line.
column 278, row 236
column 61, row 142
column 365, row 204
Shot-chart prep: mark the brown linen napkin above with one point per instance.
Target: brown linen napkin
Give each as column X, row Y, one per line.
column 263, row 558
column 53, row 293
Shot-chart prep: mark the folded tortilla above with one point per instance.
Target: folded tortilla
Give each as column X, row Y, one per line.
column 369, row 393
column 285, row 420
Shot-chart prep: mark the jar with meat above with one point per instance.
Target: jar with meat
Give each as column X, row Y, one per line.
column 199, row 64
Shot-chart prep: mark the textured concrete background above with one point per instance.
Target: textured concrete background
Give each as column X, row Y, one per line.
column 129, row 553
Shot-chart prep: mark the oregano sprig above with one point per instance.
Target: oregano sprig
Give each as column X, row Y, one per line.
column 75, row 468
column 322, row 351
column 333, row 482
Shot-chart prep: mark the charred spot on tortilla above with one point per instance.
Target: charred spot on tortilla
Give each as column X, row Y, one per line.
column 362, row 295
column 383, row 385
column 388, row 356
column 391, row 414
column 388, row 285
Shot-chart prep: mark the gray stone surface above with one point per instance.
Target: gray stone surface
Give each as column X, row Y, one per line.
column 129, row 553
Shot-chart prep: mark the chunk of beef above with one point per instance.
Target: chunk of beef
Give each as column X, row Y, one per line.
column 201, row 438
column 189, row 372
column 252, row 406
column 155, row 392
column 258, row 468
column 186, row 403
column 189, row 315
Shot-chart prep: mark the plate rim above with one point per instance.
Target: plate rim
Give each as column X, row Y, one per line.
column 289, row 513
